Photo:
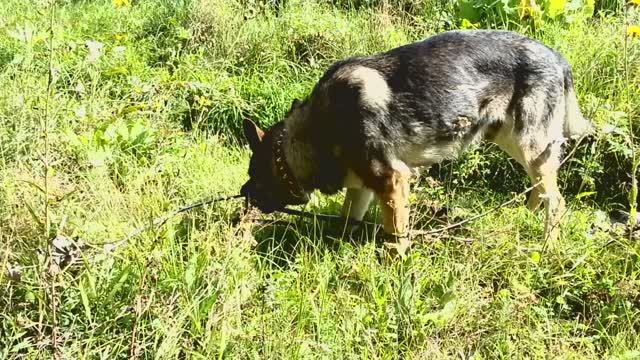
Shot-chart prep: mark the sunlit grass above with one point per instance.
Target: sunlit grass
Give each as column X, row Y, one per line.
column 151, row 121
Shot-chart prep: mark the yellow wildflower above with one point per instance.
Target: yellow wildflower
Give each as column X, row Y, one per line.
column 203, row 101
column 120, row 36
column 634, row 2
column 466, row 24
column 529, row 9
column 633, row 31
column 556, row 7
column 119, row 3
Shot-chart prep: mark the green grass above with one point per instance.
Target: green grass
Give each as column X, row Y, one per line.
column 154, row 123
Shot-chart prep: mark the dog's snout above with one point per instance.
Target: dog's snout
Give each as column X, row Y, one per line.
column 258, row 199
column 247, row 189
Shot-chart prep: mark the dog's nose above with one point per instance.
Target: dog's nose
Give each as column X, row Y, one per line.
column 250, row 194
column 245, row 190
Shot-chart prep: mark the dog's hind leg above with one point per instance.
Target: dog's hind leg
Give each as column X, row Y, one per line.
column 533, row 137
column 506, row 140
column 544, row 170
column 541, row 145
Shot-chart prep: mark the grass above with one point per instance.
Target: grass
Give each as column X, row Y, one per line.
column 153, row 122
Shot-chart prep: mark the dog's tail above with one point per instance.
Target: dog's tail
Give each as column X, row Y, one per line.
column 575, row 125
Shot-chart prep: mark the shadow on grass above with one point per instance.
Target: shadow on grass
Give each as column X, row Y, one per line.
column 279, row 239
column 279, row 242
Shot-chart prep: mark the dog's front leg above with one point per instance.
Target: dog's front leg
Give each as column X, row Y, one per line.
column 394, row 204
column 356, row 203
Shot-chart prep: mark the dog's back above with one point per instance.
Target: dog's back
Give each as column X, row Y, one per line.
column 370, row 120
column 427, row 100
column 379, row 116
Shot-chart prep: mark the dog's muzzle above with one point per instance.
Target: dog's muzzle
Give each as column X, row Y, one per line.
column 268, row 203
column 260, row 201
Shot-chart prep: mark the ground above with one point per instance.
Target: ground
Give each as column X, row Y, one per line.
column 113, row 113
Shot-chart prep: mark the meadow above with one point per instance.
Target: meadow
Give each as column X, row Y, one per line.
column 115, row 112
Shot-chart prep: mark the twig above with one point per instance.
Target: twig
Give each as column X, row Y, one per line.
column 133, row 353
column 475, row 217
column 633, row 193
column 54, row 315
column 45, row 125
column 412, row 232
column 324, row 217
column 506, row 203
column 47, row 224
column 163, row 219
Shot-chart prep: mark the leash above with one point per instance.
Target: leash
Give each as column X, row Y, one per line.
column 325, row 217
column 158, row 222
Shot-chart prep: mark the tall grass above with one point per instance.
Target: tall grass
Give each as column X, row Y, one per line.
column 146, row 116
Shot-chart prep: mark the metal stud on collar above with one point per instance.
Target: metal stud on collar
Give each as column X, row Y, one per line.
column 294, row 188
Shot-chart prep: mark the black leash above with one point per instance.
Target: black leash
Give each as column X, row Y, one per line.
column 163, row 219
column 160, row 221
column 157, row 222
column 324, row 217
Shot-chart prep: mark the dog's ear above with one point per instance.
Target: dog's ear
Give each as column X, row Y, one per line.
column 253, row 133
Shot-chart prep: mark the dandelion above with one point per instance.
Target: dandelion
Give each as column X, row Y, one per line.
column 203, row 101
column 633, row 31
column 119, row 3
column 634, row 2
column 466, row 24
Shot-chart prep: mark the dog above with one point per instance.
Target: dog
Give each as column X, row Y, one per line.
column 371, row 120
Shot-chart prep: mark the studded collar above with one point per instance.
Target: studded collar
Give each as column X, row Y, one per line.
column 283, row 170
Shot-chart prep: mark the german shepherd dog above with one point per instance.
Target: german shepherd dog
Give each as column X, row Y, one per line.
column 370, row 121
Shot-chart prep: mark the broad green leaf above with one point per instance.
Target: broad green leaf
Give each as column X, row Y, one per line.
column 555, row 8
column 467, row 10
column 535, row 257
column 190, row 273
column 584, row 194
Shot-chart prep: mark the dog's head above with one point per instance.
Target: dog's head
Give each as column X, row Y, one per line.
column 271, row 185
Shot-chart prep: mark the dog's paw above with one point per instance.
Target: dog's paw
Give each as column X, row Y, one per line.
column 353, row 232
column 396, row 246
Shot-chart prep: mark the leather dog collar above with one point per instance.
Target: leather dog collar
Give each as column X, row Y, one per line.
column 283, row 170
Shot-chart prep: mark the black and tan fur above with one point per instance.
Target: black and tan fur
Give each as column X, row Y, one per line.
column 370, row 121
